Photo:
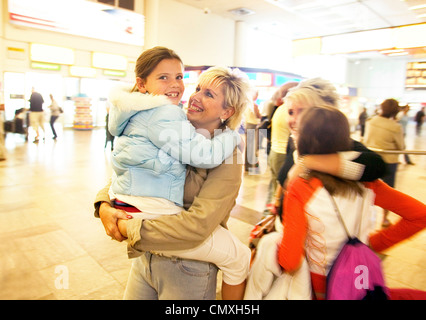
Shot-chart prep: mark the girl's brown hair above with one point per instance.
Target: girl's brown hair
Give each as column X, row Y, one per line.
column 325, row 130
column 390, row 108
column 149, row 59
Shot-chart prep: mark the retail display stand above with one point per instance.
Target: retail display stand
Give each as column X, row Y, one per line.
column 83, row 119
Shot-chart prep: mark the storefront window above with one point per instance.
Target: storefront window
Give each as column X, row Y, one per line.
column 110, row 2
column 14, row 93
column 125, row 4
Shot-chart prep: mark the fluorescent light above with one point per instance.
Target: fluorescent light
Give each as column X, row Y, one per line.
column 420, row 6
column 408, row 36
column 398, row 54
column 305, row 6
column 370, row 40
column 51, row 54
column 421, row 15
column 391, row 51
column 82, row 72
column 310, row 46
column 109, row 61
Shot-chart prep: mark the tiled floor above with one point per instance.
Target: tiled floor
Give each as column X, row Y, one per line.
column 51, row 246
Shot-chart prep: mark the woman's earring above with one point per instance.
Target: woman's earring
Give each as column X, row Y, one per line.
column 222, row 120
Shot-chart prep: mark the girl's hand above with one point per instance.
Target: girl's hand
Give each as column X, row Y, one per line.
column 110, row 218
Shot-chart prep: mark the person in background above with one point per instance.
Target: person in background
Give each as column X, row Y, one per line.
column 269, row 109
column 312, row 226
column 280, row 133
column 383, row 132
column 361, row 164
column 362, row 118
column 419, row 118
column 55, row 112
column 36, row 113
column 252, row 117
column 403, row 120
column 108, row 136
column 2, row 145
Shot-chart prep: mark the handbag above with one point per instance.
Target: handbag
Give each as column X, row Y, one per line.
column 265, row 124
column 264, row 226
column 267, row 280
column 356, row 273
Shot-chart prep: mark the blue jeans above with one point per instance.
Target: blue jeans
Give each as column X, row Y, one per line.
column 154, row 277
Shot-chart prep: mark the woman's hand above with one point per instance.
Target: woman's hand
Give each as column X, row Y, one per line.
column 122, row 227
column 111, row 218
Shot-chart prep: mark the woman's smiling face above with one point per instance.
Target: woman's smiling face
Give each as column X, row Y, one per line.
column 295, row 109
column 166, row 79
column 206, row 107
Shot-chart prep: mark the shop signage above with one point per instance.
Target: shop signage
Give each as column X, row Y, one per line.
column 280, row 80
column 81, row 18
column 191, row 76
column 51, row 54
column 16, row 96
column 82, row 72
column 45, row 66
column 109, row 61
column 114, row 73
column 416, row 75
column 16, row 53
column 260, row 79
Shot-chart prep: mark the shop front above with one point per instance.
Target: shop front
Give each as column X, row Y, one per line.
column 84, row 100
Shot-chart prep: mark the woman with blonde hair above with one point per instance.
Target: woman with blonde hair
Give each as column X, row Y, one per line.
column 360, row 164
column 357, row 164
column 165, row 246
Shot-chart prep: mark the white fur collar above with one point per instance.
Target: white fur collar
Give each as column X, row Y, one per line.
column 125, row 100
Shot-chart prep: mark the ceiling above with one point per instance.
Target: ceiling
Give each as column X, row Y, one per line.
column 299, row 19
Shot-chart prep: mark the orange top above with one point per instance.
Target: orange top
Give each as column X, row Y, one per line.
column 299, row 194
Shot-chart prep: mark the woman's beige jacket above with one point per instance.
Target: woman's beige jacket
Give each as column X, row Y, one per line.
column 209, row 197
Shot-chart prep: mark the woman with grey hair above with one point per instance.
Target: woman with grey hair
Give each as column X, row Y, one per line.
column 360, row 164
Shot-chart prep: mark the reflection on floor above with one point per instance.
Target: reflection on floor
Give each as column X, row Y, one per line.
column 51, row 246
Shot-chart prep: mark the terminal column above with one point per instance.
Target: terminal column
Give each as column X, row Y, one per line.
column 152, row 9
column 241, row 44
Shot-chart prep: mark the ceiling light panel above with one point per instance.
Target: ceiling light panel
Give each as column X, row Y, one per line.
column 307, row 4
column 420, row 6
column 241, row 12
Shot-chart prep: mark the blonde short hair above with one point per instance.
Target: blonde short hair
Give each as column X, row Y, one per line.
column 236, row 90
column 314, row 92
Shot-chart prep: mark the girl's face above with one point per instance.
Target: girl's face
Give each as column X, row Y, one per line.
column 206, row 107
column 294, row 111
column 166, row 79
